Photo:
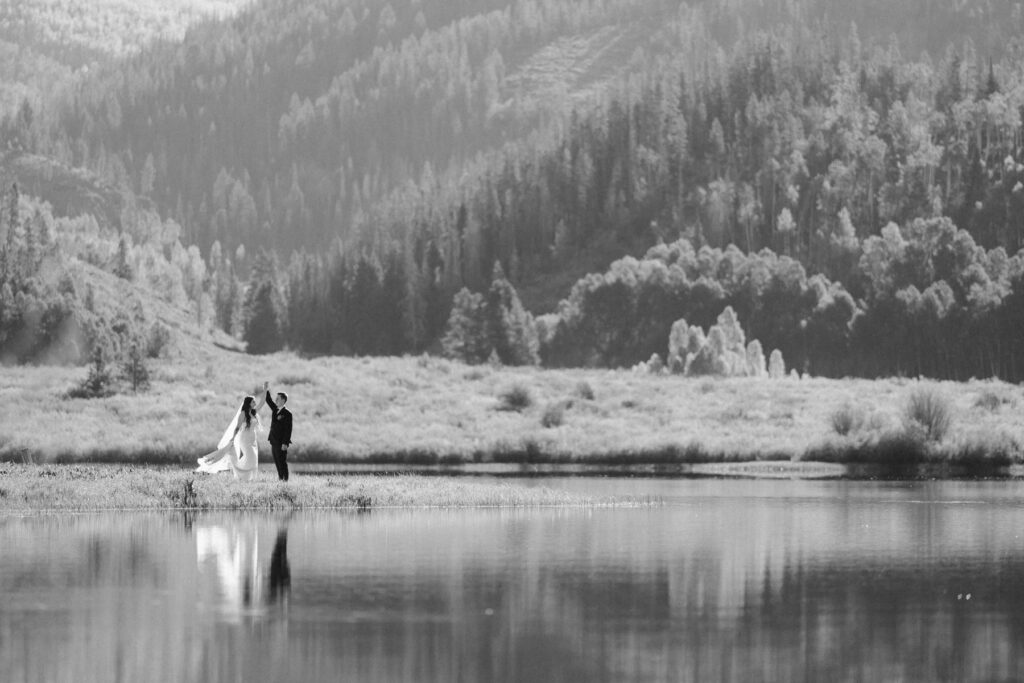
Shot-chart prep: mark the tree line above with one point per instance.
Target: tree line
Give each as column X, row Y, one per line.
column 852, row 176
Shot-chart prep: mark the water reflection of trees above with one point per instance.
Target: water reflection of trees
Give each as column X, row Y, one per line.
column 759, row 591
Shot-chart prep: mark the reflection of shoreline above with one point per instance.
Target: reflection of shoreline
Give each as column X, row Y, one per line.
column 238, row 573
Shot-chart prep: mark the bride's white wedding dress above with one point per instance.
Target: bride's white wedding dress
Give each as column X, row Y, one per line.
column 238, row 454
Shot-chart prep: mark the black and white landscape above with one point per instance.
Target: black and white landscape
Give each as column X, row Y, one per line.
column 685, row 290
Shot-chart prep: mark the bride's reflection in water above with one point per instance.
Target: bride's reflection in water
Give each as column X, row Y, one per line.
column 232, row 565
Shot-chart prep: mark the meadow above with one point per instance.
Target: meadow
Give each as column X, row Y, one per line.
column 427, row 410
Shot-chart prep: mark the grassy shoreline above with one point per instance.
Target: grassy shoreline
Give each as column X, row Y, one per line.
column 79, row 488
column 430, row 411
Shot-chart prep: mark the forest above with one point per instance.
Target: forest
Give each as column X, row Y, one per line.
column 46, row 42
column 849, row 181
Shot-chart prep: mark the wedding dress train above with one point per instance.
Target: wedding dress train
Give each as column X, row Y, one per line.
column 237, row 452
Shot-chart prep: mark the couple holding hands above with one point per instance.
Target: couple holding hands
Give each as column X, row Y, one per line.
column 238, row 450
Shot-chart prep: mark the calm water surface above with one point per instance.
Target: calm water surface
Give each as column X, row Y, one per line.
column 729, row 580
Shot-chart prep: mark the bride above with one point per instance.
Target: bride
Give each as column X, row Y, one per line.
column 237, row 450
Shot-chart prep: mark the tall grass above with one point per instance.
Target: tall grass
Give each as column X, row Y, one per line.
column 433, row 411
column 928, row 411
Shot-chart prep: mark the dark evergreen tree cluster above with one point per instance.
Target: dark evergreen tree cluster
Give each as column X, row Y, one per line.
column 491, row 327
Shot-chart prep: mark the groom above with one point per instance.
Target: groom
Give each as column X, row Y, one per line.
column 280, row 431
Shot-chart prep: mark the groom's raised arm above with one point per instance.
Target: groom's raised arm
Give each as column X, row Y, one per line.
column 270, row 402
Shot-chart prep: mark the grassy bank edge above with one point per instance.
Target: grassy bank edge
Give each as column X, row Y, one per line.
column 897, row 449
column 81, row 488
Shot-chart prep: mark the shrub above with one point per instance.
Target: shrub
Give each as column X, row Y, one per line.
column 517, row 398
column 986, row 451
column 991, row 400
column 98, row 383
column 847, row 419
column 655, row 365
column 585, row 391
column 159, row 340
column 930, row 412
column 776, row 365
column 295, row 380
column 554, row 415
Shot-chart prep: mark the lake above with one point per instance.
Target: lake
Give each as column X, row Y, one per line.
column 724, row 580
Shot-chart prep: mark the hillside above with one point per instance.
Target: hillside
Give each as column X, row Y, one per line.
column 70, row 192
column 304, row 118
column 45, row 42
column 341, row 171
column 85, row 267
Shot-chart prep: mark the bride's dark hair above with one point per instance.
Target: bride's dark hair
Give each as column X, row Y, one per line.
column 248, row 411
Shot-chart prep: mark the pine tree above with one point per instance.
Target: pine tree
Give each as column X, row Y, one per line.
column 134, row 368
column 511, row 331
column 465, row 337
column 98, row 383
column 13, row 214
column 13, row 245
column 262, row 308
column 363, row 315
column 122, row 266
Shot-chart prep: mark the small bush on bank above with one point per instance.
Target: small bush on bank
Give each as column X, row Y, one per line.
column 517, row 398
column 847, row 419
column 585, row 391
column 992, row 400
column 929, row 412
column 554, row 415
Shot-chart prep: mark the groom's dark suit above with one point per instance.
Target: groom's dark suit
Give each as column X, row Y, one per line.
column 280, row 435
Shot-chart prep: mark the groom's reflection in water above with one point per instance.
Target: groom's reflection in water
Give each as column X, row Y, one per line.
column 280, row 574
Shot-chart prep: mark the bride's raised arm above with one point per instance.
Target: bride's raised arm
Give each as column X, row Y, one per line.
column 263, row 400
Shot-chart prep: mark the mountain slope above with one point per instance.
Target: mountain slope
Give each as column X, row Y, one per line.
column 44, row 42
column 302, row 118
